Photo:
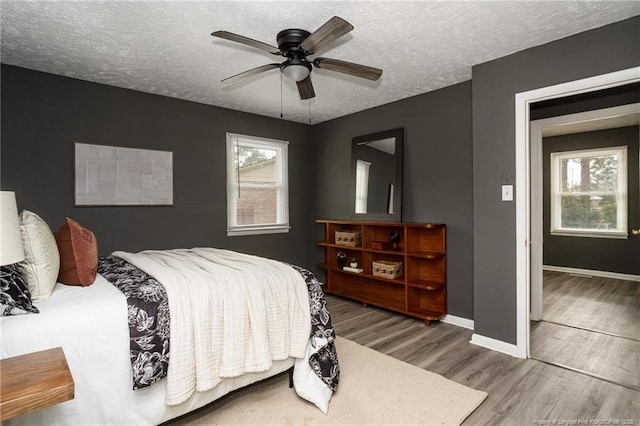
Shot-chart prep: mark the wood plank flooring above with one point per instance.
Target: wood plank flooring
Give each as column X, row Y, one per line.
column 521, row 391
column 591, row 324
column 595, row 303
column 610, row 357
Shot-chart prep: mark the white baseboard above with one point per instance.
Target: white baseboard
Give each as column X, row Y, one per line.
column 604, row 274
column 459, row 321
column 495, row 345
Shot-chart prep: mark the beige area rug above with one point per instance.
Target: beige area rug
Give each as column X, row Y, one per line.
column 374, row 389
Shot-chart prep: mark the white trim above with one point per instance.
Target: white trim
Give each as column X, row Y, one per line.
column 495, row 345
column 522, row 163
column 603, row 274
column 620, row 192
column 536, row 216
column 236, row 232
column 281, row 186
column 589, row 234
column 523, row 235
column 459, row 321
column 605, row 118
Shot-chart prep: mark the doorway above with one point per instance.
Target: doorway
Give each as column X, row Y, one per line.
column 584, row 316
column 584, row 122
column 524, row 242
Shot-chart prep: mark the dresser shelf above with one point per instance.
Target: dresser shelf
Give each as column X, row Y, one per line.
column 34, row 381
column 422, row 289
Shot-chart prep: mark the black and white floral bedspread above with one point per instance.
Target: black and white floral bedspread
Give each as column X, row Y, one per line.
column 325, row 361
column 148, row 317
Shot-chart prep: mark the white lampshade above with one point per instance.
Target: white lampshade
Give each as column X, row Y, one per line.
column 296, row 72
column 11, row 250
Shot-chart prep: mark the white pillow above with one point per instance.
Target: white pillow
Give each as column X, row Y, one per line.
column 42, row 259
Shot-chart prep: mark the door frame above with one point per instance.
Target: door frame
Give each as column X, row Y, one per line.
column 600, row 119
column 523, row 100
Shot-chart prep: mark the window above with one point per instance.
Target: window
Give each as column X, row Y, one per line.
column 362, row 185
column 589, row 193
column 257, row 185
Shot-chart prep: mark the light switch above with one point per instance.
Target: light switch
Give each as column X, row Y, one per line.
column 507, row 192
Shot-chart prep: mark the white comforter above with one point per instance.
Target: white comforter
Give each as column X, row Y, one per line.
column 90, row 324
column 231, row 313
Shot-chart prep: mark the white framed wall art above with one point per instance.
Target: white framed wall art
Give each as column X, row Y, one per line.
column 111, row 175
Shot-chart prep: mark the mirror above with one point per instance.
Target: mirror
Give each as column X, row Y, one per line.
column 376, row 176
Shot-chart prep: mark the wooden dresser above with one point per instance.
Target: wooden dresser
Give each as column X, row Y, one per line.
column 421, row 291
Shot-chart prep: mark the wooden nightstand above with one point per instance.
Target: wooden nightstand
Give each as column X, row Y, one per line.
column 33, row 381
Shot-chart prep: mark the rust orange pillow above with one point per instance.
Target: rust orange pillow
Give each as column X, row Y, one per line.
column 78, row 254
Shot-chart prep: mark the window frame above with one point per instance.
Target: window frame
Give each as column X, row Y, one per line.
column 362, row 186
column 555, row 219
column 282, row 185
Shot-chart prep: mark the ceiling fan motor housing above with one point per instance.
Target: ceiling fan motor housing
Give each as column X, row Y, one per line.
column 289, row 42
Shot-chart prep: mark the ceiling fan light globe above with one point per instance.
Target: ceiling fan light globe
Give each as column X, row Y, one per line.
column 296, row 72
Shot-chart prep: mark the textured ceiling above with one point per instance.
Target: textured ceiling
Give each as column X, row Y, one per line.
column 165, row 47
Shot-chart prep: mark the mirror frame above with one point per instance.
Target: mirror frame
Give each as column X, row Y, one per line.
column 398, row 134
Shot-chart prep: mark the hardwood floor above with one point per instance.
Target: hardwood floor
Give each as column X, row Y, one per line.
column 521, row 391
column 590, row 324
column 613, row 358
column 594, row 303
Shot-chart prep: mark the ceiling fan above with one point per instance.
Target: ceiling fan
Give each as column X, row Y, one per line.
column 296, row 45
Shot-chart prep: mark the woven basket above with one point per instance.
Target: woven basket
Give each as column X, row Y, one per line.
column 387, row 269
column 349, row 238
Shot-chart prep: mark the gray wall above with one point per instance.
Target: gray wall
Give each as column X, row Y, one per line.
column 599, row 99
column 437, row 184
column 495, row 83
column 43, row 114
column 453, row 163
column 600, row 254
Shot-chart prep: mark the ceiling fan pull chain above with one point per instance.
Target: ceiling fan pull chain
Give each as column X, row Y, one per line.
column 281, row 115
column 309, row 111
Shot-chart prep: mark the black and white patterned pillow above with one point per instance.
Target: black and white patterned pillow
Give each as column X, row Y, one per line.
column 15, row 298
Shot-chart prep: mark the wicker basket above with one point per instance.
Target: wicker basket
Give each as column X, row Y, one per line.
column 387, row 269
column 349, row 238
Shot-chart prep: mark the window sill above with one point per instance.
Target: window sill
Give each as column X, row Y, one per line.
column 590, row 234
column 281, row 229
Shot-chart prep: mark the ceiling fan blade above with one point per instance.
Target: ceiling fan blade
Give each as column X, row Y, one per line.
column 247, row 41
column 330, row 31
column 350, row 68
column 250, row 73
column 305, row 88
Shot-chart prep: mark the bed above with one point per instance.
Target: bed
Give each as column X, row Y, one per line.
column 96, row 326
